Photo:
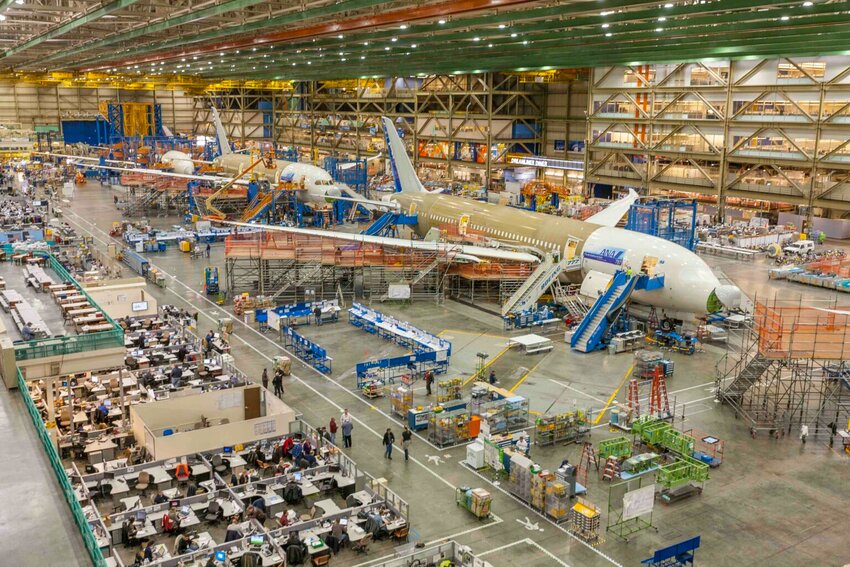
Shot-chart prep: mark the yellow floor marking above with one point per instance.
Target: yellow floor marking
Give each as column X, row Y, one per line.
column 486, row 366
column 524, row 376
column 614, row 395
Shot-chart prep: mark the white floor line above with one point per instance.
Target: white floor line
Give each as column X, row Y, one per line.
column 496, row 521
column 527, row 541
column 585, row 394
column 545, row 519
column 304, row 383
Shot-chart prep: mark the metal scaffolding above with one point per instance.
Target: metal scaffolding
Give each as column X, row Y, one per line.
column 732, row 132
column 790, row 368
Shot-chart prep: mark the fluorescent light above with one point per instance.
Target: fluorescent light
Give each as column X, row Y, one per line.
column 343, row 59
column 609, row 34
column 489, row 45
column 19, row 2
column 362, row 57
column 386, row 49
column 668, row 5
column 513, row 35
column 476, row 38
column 2, row 17
column 807, row 4
column 662, row 19
column 338, row 37
column 604, row 26
column 784, row 18
column 394, row 39
column 254, row 49
column 525, row 42
column 403, row 26
column 502, row 26
column 441, row 22
column 413, row 45
column 659, row 29
column 365, row 43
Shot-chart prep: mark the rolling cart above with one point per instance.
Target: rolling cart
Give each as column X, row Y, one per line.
column 475, row 500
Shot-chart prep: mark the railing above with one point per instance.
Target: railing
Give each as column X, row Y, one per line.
column 60, row 346
column 64, row 483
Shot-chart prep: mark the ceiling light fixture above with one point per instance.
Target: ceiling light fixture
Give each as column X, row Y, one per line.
column 609, row 34
column 784, row 18
column 659, row 29
column 394, row 39
column 668, row 5
column 413, row 45
column 340, row 36
column 502, row 26
column 441, row 22
column 662, row 19
column 513, row 35
column 807, row 4
column 476, row 38
column 604, row 26
column 403, row 26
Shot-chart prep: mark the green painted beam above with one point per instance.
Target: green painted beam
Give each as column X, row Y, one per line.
column 216, row 10
column 62, row 29
column 450, row 26
column 228, row 6
column 678, row 52
column 822, row 16
column 747, row 30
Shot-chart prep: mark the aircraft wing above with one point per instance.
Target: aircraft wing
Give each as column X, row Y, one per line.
column 84, row 158
column 463, row 252
column 161, row 173
column 615, row 211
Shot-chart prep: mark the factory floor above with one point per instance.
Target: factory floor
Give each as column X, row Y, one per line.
column 771, row 502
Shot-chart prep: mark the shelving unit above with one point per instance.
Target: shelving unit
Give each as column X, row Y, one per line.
column 585, row 521
column 501, row 416
column 564, row 427
column 448, row 428
column 448, row 390
column 401, row 400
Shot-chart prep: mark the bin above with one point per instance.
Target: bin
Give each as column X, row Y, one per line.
column 474, row 426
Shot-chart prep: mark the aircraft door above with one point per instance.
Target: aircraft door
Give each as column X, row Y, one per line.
column 572, row 245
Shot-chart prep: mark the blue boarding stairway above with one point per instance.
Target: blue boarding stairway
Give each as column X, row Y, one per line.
column 591, row 331
column 387, row 224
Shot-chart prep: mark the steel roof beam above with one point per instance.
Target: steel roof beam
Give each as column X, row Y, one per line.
column 71, row 25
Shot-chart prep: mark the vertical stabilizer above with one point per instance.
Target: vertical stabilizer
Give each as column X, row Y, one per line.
column 404, row 175
column 220, row 134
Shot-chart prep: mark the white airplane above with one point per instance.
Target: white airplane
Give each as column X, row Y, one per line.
column 690, row 287
column 319, row 186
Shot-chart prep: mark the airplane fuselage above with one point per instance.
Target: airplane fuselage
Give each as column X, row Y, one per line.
column 319, row 186
column 689, row 287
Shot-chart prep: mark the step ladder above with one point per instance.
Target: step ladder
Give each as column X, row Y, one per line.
column 612, row 469
column 588, row 459
column 590, row 332
column 634, row 399
column 546, row 273
column 659, row 402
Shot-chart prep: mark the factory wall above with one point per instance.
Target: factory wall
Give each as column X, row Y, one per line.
column 30, row 105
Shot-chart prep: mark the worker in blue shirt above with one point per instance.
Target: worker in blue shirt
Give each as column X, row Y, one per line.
column 26, row 332
column 176, row 375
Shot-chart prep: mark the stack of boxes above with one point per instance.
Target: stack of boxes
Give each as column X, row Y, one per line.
column 479, row 504
column 538, row 490
column 557, row 500
column 520, row 477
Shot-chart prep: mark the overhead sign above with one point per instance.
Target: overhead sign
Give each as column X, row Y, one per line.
column 608, row 255
column 533, row 161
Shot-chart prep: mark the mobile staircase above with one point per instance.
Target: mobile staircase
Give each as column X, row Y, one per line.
column 590, row 334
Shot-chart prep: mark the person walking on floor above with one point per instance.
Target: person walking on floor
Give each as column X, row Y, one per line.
column 265, row 378
column 277, row 382
column 429, row 379
column 406, row 435
column 208, row 250
column 492, row 378
column 347, row 425
column 804, row 433
column 388, row 441
column 332, row 427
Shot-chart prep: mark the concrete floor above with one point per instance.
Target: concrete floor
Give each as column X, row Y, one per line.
column 771, row 503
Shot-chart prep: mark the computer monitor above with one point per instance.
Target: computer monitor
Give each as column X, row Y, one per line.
column 95, row 379
column 108, row 403
column 174, row 504
column 297, row 477
column 140, row 306
column 141, row 515
column 227, row 450
column 257, row 540
column 185, row 510
column 220, row 556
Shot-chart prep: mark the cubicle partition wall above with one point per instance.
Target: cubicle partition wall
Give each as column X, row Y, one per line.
column 433, row 555
column 86, row 529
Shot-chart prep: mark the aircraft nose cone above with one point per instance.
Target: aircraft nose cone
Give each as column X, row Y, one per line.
column 729, row 296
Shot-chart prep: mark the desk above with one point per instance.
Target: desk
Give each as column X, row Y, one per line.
column 66, row 308
column 100, row 451
column 131, row 502
column 328, row 506
column 81, row 312
column 532, row 343
column 171, row 493
column 363, row 497
column 112, row 465
column 95, row 328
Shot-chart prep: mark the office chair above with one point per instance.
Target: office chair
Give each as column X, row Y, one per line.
column 362, row 546
column 401, row 533
column 144, row 482
column 220, row 464
column 106, row 489
column 213, row 512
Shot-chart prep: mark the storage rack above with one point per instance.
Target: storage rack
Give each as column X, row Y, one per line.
column 448, row 427
column 557, row 500
column 501, row 416
column 569, row 426
column 373, row 389
column 520, row 477
column 448, row 390
column 401, row 400
column 585, row 521
column 646, row 363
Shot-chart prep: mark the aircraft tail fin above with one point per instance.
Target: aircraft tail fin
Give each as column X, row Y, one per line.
column 220, row 133
column 404, row 175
